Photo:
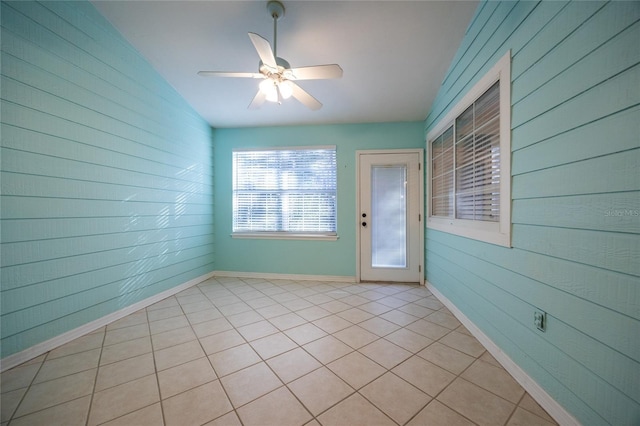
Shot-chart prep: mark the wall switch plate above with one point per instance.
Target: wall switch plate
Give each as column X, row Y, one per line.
column 540, row 320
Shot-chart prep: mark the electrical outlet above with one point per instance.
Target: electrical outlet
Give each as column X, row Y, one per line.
column 540, row 320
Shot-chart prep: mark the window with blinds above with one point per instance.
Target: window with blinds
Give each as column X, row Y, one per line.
column 285, row 191
column 469, row 174
column 442, row 171
column 468, row 171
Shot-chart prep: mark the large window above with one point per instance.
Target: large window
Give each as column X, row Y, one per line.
column 469, row 155
column 285, row 192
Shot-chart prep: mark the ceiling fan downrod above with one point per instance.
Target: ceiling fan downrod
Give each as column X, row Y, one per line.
column 276, row 11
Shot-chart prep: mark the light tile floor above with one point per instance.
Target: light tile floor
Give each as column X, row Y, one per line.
column 235, row 351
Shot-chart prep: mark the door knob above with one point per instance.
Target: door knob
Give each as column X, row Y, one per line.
column 364, row 224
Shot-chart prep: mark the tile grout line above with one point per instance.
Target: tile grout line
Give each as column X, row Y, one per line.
column 298, row 346
column 458, row 376
column 513, row 412
column 155, row 372
column 234, row 409
column 162, row 399
column 155, row 362
column 95, row 379
column 219, row 378
column 119, row 384
column 285, row 385
column 12, row 417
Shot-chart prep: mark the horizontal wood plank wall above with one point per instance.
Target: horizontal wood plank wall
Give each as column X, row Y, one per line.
column 576, row 202
column 107, row 188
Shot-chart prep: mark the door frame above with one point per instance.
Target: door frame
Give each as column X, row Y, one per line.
column 422, row 222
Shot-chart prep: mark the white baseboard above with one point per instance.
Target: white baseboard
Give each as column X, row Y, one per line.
column 48, row 345
column 293, row 277
column 554, row 409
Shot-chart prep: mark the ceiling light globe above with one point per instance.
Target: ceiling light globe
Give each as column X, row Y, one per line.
column 268, row 88
column 286, row 89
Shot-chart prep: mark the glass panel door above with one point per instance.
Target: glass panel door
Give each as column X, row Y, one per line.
column 389, row 216
column 389, row 212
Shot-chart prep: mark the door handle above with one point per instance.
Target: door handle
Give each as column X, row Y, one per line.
column 364, row 224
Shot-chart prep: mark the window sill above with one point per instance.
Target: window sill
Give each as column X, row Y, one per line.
column 488, row 232
column 283, row 236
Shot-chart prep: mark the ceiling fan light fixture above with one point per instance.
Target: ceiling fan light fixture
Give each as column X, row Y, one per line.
column 268, row 88
column 286, row 89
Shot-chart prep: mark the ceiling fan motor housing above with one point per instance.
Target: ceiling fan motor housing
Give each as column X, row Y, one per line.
column 282, row 66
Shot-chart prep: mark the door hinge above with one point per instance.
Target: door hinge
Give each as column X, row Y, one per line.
column 419, row 166
column 419, row 268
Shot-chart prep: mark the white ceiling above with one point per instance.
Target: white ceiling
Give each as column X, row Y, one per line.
column 394, row 54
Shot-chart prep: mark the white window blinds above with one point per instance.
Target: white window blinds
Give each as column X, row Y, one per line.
column 478, row 159
column 465, row 175
column 285, row 191
column 442, row 174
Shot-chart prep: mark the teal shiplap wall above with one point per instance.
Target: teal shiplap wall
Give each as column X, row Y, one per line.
column 107, row 184
column 575, row 199
column 305, row 257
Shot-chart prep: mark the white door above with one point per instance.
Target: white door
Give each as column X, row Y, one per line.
column 390, row 215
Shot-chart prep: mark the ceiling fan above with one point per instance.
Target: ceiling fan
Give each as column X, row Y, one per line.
column 278, row 76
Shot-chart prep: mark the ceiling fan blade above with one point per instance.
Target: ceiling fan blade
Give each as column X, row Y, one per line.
column 230, row 74
column 305, row 98
column 264, row 50
column 258, row 100
column 317, row 72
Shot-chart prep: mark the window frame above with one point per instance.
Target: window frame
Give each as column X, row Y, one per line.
column 285, row 235
column 498, row 233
